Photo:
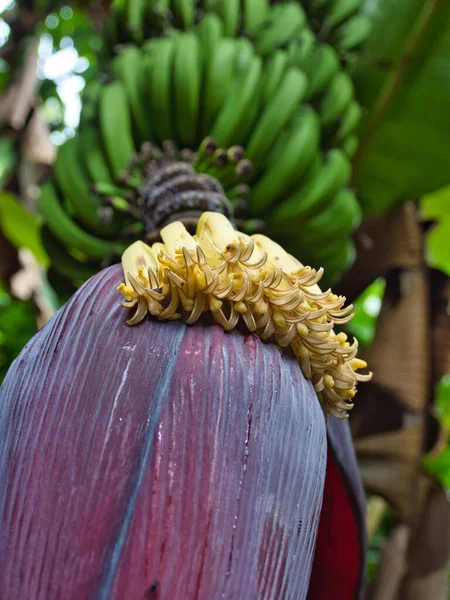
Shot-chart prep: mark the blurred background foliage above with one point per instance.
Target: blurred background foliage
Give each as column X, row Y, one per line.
column 17, row 326
column 436, row 208
column 439, row 464
column 67, row 46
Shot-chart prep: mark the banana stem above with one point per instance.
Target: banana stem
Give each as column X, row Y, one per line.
column 204, row 153
column 232, row 173
column 241, row 190
column 218, row 160
column 175, row 188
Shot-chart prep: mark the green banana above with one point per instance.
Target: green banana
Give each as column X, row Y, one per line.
column 115, row 126
column 156, row 18
column 277, row 149
column 210, row 30
column 338, row 96
column 161, row 5
column 352, row 33
column 161, row 88
column 218, row 74
column 94, row 160
column 310, row 198
column 117, row 24
column 230, row 13
column 251, row 117
column 148, row 61
column 135, row 17
column 67, row 231
column 107, row 188
column 128, row 66
column 111, row 30
column 93, row 156
column 147, row 50
column 350, row 146
column 274, row 70
column 73, row 180
column 301, row 48
column 291, row 162
column 244, row 53
column 340, row 11
column 186, row 88
column 334, row 256
column 90, row 97
column 209, row 5
column 62, row 262
column 339, row 218
column 276, row 114
column 319, row 5
column 324, row 65
column 183, row 12
column 339, row 258
column 240, row 96
column 349, row 121
column 255, row 14
column 287, row 21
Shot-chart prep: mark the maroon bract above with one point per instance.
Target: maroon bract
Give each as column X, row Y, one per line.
column 161, row 461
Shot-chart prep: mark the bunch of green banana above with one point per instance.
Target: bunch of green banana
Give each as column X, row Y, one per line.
column 282, row 96
column 340, row 23
column 272, row 24
column 74, row 251
column 138, row 20
column 77, row 236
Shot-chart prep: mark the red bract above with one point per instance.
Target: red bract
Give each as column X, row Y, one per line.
column 158, row 461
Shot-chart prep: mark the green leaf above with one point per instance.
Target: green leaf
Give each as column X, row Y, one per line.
column 17, row 326
column 366, row 311
column 443, row 401
column 439, row 465
column 438, row 246
column 437, row 204
column 7, row 158
column 404, row 80
column 21, row 227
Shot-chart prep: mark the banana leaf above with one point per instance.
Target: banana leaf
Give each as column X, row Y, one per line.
column 20, row 227
column 403, row 79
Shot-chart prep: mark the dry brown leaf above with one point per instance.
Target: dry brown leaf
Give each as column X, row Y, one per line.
column 390, row 467
column 429, row 550
column 430, row 587
column 392, row 565
column 37, row 146
column 440, row 284
column 375, row 411
column 28, row 283
column 20, row 96
column 399, row 354
column 389, row 241
column 396, row 480
column 405, row 443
